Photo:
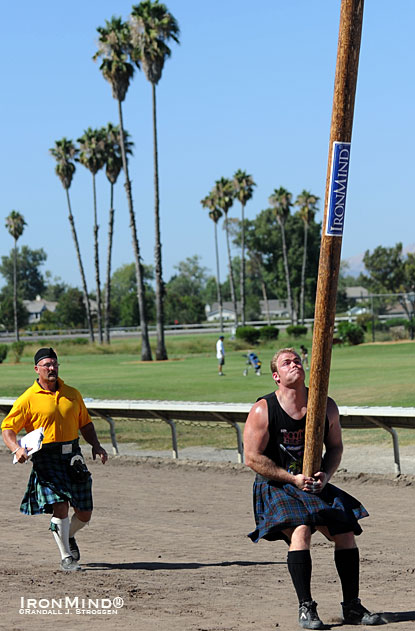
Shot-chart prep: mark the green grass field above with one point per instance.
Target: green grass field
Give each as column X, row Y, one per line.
column 370, row 374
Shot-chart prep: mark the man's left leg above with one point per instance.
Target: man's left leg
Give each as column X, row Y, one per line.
column 346, row 558
column 79, row 520
column 59, row 525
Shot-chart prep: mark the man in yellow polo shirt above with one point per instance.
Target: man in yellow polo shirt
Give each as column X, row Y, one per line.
column 59, row 476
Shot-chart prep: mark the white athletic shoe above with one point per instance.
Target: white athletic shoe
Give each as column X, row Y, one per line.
column 68, row 564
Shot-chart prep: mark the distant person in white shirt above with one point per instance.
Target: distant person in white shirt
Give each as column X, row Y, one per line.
column 220, row 354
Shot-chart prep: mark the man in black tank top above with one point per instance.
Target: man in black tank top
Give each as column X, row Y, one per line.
column 291, row 506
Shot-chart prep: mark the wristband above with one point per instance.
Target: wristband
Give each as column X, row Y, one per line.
column 19, row 447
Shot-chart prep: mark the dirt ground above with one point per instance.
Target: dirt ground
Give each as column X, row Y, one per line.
column 167, row 549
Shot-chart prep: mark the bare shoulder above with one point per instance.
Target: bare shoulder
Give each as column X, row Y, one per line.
column 258, row 414
column 333, row 412
column 256, row 429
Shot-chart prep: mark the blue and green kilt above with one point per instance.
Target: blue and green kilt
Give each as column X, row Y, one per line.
column 50, row 481
column 278, row 508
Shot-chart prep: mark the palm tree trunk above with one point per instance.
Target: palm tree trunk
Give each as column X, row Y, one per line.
column 16, row 326
column 161, row 352
column 81, row 269
column 231, row 279
column 303, row 273
column 243, row 265
column 287, row 274
column 145, row 342
column 218, row 287
column 109, row 255
column 265, row 297
column 96, row 259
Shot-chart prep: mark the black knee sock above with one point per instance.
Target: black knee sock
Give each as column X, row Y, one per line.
column 299, row 566
column 347, row 564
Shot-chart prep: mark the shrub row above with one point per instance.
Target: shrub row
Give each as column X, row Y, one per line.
column 350, row 333
column 251, row 335
column 17, row 348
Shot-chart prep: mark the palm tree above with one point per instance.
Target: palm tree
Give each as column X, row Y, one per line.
column 65, row 153
column 223, row 195
column 280, row 201
column 15, row 224
column 91, row 156
column 113, row 166
column 215, row 214
column 113, row 46
column 244, row 189
column 256, row 269
column 151, row 26
column 307, row 204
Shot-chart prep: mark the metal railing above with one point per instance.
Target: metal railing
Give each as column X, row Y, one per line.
column 233, row 414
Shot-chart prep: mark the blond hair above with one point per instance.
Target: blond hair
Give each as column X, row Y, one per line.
column 274, row 360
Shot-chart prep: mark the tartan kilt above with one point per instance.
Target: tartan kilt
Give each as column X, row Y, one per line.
column 277, row 508
column 50, row 482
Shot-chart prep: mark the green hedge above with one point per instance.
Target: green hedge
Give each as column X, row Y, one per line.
column 296, row 330
column 350, row 333
column 3, row 352
column 18, row 348
column 269, row 333
column 396, row 322
column 248, row 333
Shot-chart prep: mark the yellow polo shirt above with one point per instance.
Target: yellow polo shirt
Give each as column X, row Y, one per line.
column 61, row 413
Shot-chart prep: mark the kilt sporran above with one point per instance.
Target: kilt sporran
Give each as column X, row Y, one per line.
column 78, row 471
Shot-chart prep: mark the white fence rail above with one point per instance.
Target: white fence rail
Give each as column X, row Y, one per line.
column 170, row 329
column 233, row 414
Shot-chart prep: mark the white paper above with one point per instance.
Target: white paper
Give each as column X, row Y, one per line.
column 32, row 441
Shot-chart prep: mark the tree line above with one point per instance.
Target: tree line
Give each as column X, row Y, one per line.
column 266, row 247
column 192, row 286
column 389, row 279
column 273, row 236
column 187, row 293
column 277, row 250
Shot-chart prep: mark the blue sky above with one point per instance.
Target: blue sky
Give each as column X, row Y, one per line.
column 250, row 87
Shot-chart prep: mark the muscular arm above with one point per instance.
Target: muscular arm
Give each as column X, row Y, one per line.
column 334, row 448
column 256, row 438
column 10, row 440
column 90, row 435
column 333, row 442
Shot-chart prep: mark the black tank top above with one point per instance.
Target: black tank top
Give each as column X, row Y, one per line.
column 286, row 436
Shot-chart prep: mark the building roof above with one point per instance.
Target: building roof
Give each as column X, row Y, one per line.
column 357, row 292
column 39, row 305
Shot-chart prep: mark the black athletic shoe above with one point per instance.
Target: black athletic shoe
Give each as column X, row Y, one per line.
column 308, row 616
column 355, row 613
column 73, row 547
